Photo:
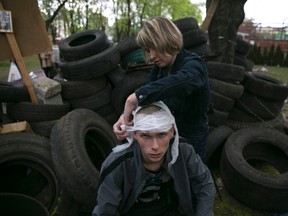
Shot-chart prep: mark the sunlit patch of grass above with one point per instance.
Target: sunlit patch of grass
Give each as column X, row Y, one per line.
column 264, row 167
column 280, row 73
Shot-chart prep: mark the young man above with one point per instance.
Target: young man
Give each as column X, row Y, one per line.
column 179, row 78
column 153, row 174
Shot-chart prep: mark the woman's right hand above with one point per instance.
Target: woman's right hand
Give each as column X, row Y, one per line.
column 126, row 118
column 118, row 131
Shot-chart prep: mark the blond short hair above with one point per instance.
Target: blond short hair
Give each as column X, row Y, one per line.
column 160, row 34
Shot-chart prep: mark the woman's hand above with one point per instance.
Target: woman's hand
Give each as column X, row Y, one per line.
column 126, row 118
column 118, row 131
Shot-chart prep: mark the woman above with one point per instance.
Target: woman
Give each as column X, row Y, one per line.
column 179, row 78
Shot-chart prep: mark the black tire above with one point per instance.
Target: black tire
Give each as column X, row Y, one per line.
column 94, row 101
column 83, row 44
column 112, row 118
column 81, row 140
column 225, row 72
column 186, row 24
column 231, row 90
column 201, row 50
column 258, row 106
column 26, row 167
column 216, row 140
column 218, row 117
column 266, row 87
column 10, row 93
column 43, row 128
column 242, row 47
column 240, row 61
column 240, row 115
column 27, row 111
column 276, row 123
column 127, row 86
column 194, row 37
column 116, row 75
column 256, row 189
column 221, row 102
column 19, row 204
column 91, row 67
column 79, row 89
column 127, row 45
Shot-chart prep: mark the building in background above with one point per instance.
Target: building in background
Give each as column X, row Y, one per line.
column 263, row 36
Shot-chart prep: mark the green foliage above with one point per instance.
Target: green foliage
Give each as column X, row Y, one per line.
column 271, row 54
column 278, row 56
column 274, row 56
column 127, row 16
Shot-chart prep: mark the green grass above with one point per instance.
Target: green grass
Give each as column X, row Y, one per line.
column 32, row 63
column 280, row 73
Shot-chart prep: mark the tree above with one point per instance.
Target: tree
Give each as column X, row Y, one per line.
column 223, row 28
column 265, row 56
column 49, row 13
column 71, row 16
column 130, row 14
column 271, row 55
column 278, row 56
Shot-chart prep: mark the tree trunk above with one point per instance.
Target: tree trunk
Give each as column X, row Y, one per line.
column 223, row 28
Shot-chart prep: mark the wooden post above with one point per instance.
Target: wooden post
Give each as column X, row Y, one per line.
column 20, row 63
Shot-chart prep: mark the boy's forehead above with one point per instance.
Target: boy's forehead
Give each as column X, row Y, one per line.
column 152, row 131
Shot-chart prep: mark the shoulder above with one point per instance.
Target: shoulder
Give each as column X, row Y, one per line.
column 115, row 159
column 191, row 56
column 186, row 150
column 187, row 57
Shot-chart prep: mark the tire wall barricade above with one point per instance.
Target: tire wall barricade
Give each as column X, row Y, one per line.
column 96, row 78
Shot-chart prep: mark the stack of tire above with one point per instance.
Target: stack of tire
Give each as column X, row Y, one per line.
column 19, row 107
column 88, row 62
column 248, row 130
column 194, row 38
column 225, row 82
column 59, row 166
column 261, row 103
column 241, row 51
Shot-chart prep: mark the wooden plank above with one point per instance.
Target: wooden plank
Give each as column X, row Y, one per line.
column 28, row 28
column 20, row 63
column 209, row 15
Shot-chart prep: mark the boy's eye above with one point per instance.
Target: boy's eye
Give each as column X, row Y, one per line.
column 162, row 135
column 144, row 136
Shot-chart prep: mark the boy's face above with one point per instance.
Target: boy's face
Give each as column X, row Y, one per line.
column 153, row 145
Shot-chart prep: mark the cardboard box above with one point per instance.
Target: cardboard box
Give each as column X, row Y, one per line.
column 56, row 99
column 16, row 127
column 45, row 87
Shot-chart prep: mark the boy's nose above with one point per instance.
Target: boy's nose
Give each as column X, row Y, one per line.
column 155, row 144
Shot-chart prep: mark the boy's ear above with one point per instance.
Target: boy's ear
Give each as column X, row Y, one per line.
column 172, row 131
column 135, row 135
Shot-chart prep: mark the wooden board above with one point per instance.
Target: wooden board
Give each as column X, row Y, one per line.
column 28, row 28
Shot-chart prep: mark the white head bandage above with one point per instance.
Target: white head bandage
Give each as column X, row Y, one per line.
column 159, row 121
